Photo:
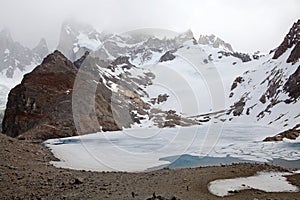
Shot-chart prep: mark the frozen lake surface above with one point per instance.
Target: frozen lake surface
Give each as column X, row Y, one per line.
column 143, row 149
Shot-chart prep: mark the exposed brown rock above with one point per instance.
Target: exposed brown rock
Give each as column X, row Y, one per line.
column 41, row 101
column 42, row 106
column 161, row 98
column 291, row 39
column 242, row 56
column 295, row 54
column 167, row 56
column 292, row 86
column 263, row 99
column 238, row 107
column 237, row 81
column 291, row 134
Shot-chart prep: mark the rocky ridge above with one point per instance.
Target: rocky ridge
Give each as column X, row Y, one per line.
column 15, row 61
column 60, row 99
column 215, row 42
column 14, row 56
column 76, row 38
column 291, row 40
column 274, row 84
column 45, row 108
column 118, row 85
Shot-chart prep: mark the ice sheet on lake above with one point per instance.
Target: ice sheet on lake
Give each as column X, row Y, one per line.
column 141, row 149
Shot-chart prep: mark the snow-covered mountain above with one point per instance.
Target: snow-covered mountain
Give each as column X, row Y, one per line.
column 269, row 93
column 215, row 42
column 76, row 38
column 179, row 81
column 41, row 50
column 13, row 55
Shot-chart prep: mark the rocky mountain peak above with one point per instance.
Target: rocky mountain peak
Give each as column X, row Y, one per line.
column 290, row 40
column 73, row 26
column 15, row 60
column 76, row 38
column 41, row 49
column 187, row 34
column 5, row 41
column 215, row 42
column 42, row 106
column 56, row 58
column 37, row 100
column 5, row 33
column 13, row 55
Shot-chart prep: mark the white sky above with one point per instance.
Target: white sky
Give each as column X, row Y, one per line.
column 248, row 25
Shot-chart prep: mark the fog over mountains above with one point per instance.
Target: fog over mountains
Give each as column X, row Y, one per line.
column 234, row 21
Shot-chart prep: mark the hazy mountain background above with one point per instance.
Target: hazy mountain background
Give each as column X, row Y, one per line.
column 247, row 25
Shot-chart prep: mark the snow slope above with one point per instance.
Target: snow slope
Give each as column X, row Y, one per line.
column 262, row 90
column 7, row 83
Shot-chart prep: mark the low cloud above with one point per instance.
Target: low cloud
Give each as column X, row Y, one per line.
column 247, row 25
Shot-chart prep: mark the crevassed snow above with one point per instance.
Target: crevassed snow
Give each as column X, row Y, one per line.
column 266, row 181
column 141, row 149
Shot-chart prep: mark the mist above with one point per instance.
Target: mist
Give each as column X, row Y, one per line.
column 248, row 25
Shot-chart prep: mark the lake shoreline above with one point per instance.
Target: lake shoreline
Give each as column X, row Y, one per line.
column 26, row 174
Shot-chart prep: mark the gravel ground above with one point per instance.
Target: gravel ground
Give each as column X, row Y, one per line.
column 25, row 173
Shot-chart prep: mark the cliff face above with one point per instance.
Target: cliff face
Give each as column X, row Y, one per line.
column 290, row 40
column 41, row 105
column 61, row 99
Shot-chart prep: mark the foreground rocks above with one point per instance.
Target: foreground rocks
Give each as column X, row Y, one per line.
column 25, row 173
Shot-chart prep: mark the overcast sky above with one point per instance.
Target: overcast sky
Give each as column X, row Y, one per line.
column 248, row 25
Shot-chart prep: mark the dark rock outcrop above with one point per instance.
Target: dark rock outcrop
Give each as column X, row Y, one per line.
column 238, row 107
column 291, row 134
column 236, row 82
column 60, row 99
column 167, row 56
column 243, row 56
column 40, row 107
column 79, row 62
column 291, row 39
column 295, row 54
column 292, row 86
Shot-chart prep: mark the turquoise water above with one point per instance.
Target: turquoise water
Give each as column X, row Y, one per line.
column 189, row 161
